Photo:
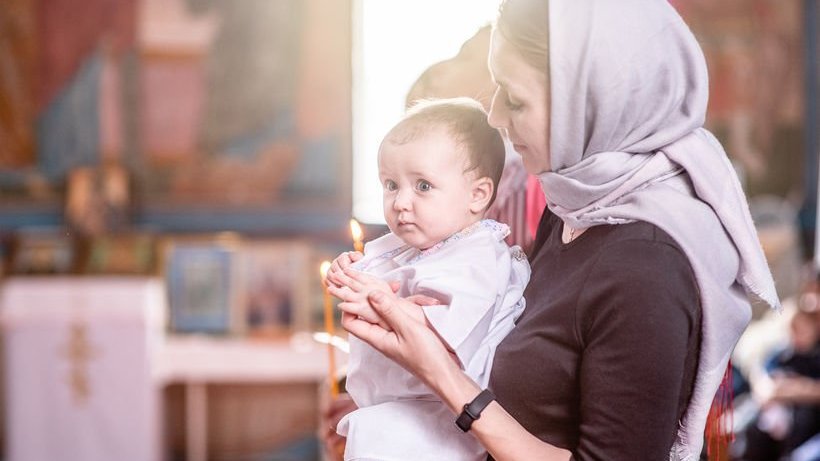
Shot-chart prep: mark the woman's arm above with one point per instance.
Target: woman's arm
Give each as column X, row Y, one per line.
column 496, row 429
column 414, row 346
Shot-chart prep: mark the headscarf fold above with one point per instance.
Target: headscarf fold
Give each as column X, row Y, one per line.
column 629, row 90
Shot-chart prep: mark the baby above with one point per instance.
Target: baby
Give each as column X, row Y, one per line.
column 439, row 168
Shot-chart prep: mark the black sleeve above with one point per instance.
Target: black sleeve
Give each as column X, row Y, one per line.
column 638, row 317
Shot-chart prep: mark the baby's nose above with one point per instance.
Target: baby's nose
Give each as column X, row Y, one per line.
column 402, row 201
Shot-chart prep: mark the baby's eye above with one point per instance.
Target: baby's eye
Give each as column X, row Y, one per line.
column 423, row 186
column 390, row 185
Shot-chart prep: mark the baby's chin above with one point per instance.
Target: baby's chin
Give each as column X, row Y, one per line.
column 409, row 234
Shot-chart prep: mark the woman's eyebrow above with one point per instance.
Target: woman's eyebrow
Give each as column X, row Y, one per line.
column 501, row 83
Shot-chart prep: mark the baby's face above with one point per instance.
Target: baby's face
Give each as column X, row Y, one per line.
column 426, row 193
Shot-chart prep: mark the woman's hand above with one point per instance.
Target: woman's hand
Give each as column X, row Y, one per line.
column 402, row 335
column 335, row 410
column 353, row 288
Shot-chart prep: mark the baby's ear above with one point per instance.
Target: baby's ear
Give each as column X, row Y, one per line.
column 482, row 193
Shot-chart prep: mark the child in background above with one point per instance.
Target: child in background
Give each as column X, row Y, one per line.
column 439, row 168
column 788, row 392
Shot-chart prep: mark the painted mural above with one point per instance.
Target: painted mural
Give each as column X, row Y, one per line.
column 237, row 114
column 211, row 106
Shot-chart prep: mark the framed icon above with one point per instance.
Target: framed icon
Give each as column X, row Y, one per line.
column 203, row 277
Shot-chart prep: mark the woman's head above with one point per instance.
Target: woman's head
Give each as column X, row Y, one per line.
column 621, row 76
column 518, row 63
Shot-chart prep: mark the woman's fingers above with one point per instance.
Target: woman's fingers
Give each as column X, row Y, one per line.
column 387, row 308
column 331, row 415
column 384, row 340
column 362, row 310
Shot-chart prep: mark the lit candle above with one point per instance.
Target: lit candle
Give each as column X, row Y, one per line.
column 330, row 328
column 356, row 232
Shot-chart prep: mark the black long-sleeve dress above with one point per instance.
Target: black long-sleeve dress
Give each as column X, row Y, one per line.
column 602, row 361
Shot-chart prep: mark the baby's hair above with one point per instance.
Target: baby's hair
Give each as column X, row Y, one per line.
column 465, row 120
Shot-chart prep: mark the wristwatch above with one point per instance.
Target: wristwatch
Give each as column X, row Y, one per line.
column 472, row 411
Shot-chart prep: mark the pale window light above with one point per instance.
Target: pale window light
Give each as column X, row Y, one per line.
column 394, row 41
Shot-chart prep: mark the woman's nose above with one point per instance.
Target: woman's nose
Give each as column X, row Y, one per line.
column 497, row 117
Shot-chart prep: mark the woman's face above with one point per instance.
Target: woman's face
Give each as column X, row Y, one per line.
column 520, row 106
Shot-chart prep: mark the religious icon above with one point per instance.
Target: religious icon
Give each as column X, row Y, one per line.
column 204, row 286
column 277, row 287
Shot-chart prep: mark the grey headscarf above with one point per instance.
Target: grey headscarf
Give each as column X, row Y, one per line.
column 629, row 89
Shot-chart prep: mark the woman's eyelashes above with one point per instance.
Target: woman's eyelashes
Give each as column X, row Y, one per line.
column 512, row 106
column 509, row 102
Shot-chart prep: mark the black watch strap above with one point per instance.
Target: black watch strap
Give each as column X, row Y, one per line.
column 472, row 411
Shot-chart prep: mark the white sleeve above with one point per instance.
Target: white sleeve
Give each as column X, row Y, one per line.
column 465, row 278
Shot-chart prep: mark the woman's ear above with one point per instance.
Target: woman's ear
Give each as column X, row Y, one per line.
column 481, row 194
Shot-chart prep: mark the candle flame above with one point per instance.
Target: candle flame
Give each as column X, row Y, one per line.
column 355, row 230
column 323, row 268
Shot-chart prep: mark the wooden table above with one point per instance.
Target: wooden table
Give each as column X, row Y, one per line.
column 196, row 361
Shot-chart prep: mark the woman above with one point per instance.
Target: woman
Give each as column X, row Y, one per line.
column 643, row 260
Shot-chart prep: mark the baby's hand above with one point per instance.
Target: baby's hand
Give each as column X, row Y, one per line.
column 342, row 262
column 352, row 287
